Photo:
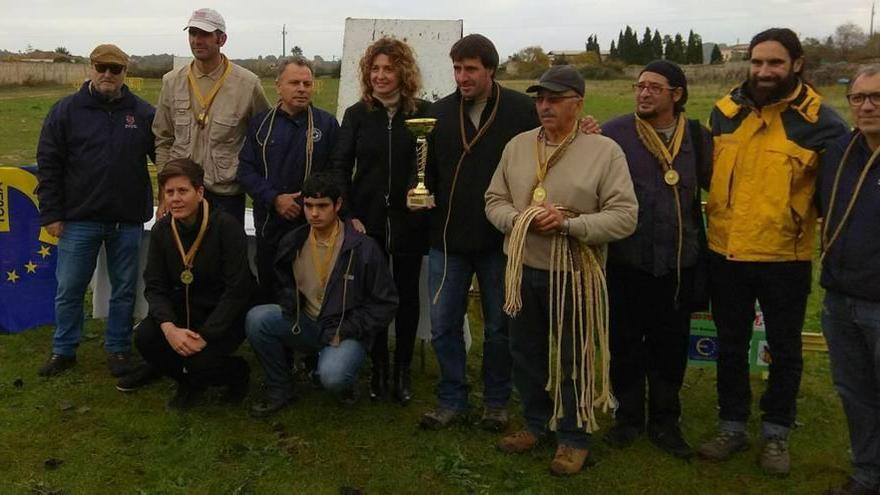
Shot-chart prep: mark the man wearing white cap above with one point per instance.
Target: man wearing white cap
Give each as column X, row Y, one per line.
column 203, row 112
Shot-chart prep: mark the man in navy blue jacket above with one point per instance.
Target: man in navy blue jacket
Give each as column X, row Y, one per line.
column 849, row 202
column 334, row 292
column 95, row 189
column 284, row 145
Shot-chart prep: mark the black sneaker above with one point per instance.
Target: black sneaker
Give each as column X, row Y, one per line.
column 268, row 407
column 56, row 364
column 185, row 397
column 621, row 436
column 670, row 440
column 121, row 364
column 142, row 375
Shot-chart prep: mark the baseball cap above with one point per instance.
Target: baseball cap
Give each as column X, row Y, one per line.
column 207, row 20
column 558, row 79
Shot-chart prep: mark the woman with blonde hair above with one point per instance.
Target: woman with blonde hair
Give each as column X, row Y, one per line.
column 376, row 145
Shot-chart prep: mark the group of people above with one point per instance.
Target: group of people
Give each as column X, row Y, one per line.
column 587, row 241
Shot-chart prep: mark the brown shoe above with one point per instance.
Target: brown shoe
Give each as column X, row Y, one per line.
column 568, row 460
column 519, row 442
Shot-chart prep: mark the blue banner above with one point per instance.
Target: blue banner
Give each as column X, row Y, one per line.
column 27, row 255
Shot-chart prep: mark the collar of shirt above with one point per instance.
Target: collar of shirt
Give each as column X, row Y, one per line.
column 214, row 74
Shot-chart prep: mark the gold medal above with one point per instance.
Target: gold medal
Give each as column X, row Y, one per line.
column 539, row 194
column 671, row 177
column 186, row 277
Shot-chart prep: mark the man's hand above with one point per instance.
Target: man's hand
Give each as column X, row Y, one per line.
column 416, row 208
column 335, row 341
column 358, row 226
column 287, row 207
column 55, row 229
column 589, row 125
column 547, row 222
column 183, row 340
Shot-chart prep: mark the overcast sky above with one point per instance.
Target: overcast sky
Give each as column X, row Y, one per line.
column 254, row 26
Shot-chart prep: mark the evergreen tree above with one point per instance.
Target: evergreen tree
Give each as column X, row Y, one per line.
column 646, row 47
column 668, row 48
column 698, row 50
column 656, row 46
column 680, row 49
column 630, row 48
column 612, row 53
column 716, row 57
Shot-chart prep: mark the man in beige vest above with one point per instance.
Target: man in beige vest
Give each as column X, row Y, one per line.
column 559, row 196
column 203, row 112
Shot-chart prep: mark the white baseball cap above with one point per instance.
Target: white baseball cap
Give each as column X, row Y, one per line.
column 207, row 20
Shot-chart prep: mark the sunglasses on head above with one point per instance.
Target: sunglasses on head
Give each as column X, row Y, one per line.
column 113, row 68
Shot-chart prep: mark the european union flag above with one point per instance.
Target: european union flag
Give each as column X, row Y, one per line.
column 27, row 254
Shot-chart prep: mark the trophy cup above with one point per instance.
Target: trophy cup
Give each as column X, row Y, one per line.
column 420, row 197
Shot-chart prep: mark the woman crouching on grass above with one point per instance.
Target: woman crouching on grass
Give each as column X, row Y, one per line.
column 198, row 285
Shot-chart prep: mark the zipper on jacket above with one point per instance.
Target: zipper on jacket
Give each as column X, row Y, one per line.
column 388, row 193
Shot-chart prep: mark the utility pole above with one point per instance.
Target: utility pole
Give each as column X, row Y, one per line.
column 284, row 40
column 871, row 30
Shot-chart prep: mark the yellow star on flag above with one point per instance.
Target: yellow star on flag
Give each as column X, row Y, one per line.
column 44, row 251
column 12, row 276
column 31, row 267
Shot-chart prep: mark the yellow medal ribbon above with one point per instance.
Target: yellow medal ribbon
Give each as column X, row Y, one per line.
column 204, row 101
column 539, row 194
column 187, row 257
column 322, row 264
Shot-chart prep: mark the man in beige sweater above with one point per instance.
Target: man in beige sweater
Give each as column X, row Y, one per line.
column 573, row 194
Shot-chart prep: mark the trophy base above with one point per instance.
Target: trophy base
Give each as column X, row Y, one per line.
column 420, row 201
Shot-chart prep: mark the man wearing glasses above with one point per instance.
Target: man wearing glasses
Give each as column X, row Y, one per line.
column 768, row 135
column 567, row 189
column 849, row 202
column 670, row 160
column 95, row 190
column 203, row 113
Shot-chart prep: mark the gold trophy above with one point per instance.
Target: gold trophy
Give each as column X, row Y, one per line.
column 421, row 197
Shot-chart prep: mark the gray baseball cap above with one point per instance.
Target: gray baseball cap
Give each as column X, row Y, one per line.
column 558, row 79
column 208, row 20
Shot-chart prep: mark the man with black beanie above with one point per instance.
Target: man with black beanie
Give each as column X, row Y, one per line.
column 670, row 160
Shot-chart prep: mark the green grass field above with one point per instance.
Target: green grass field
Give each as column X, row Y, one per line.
column 77, row 434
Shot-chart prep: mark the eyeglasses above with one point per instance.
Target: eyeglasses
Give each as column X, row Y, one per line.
column 552, row 99
column 653, row 89
column 858, row 99
column 113, row 68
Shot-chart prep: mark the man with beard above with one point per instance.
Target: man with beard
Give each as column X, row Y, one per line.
column 203, row 113
column 768, row 134
column 670, row 160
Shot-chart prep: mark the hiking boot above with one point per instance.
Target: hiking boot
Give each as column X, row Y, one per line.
column 379, row 381
column 774, row 457
column 622, row 436
column 851, row 487
column 185, row 397
column 670, row 440
column 142, row 375
column 56, row 364
column 402, row 391
column 494, row 419
column 120, row 364
column 568, row 460
column 519, row 442
column 268, row 407
column 723, row 446
column 439, row 418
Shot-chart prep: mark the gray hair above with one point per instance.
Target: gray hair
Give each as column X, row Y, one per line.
column 299, row 60
column 864, row 70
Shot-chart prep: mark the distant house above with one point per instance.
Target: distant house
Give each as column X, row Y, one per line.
column 733, row 53
column 568, row 54
column 40, row 56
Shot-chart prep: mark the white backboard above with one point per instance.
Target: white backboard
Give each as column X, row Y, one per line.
column 430, row 39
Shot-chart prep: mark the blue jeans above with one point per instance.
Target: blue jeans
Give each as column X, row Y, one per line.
column 77, row 256
column 447, row 320
column 269, row 332
column 852, row 329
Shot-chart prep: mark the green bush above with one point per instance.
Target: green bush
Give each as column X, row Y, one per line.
column 606, row 71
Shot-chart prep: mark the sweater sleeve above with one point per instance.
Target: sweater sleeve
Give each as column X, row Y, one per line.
column 238, row 281
column 250, row 172
column 500, row 210
column 157, row 289
column 163, row 124
column 618, row 208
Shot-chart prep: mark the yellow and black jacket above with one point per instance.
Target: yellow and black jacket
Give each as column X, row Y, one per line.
column 765, row 164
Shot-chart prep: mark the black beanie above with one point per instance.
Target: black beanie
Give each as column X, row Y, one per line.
column 673, row 74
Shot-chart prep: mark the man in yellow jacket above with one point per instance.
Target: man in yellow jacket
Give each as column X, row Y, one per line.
column 768, row 134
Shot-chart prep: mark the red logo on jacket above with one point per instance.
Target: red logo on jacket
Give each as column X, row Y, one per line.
column 130, row 123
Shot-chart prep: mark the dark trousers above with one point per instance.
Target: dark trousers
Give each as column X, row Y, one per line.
column 406, row 270
column 234, row 204
column 649, row 341
column 781, row 289
column 267, row 248
column 529, row 332
column 212, row 366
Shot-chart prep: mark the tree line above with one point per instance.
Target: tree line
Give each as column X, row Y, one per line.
column 652, row 46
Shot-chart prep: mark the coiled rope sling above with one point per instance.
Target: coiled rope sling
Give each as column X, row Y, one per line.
column 577, row 286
